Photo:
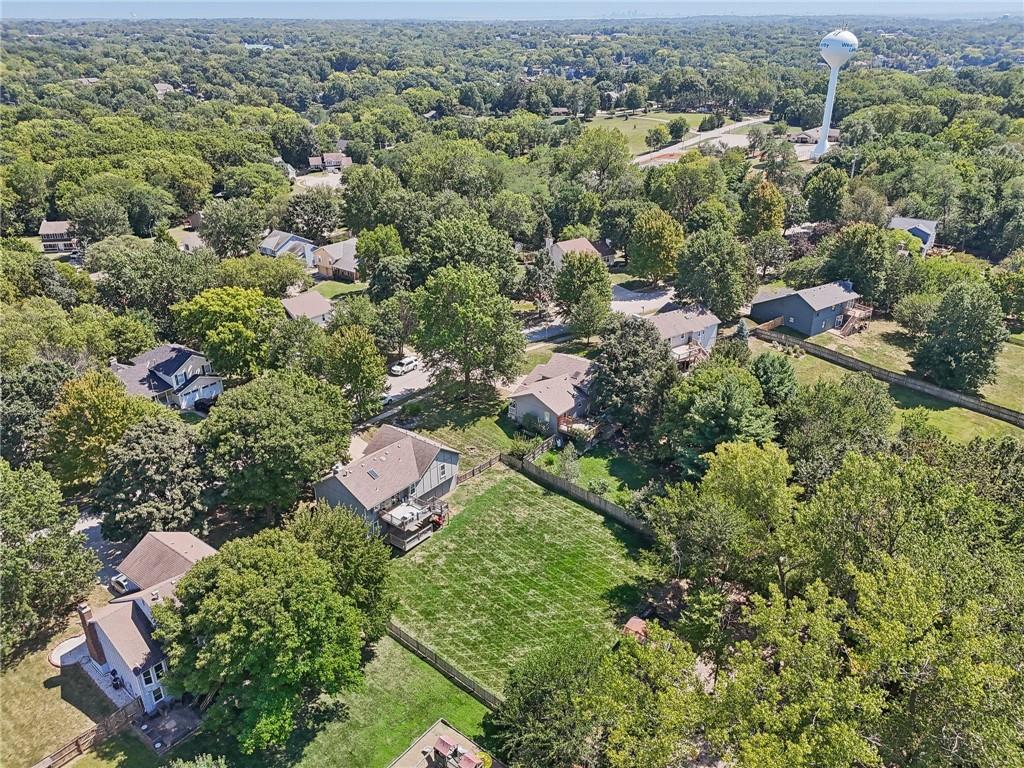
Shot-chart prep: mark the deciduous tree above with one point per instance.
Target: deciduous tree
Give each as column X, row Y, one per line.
column 352, row 362
column 715, row 269
column 655, row 241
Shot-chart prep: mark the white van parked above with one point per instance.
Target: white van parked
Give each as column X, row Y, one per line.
column 404, row 366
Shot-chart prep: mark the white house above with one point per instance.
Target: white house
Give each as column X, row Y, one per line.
column 554, row 394
column 393, row 484
column 279, row 243
column 309, row 304
column 557, row 251
column 119, row 635
column 170, row 374
column 690, row 333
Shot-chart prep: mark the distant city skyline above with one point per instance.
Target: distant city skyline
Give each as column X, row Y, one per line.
column 495, row 10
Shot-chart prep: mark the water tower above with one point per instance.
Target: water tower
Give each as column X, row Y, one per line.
column 836, row 49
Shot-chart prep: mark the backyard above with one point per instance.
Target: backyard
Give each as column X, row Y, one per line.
column 518, row 568
column 955, row 422
column 332, row 289
column 885, row 344
column 615, row 475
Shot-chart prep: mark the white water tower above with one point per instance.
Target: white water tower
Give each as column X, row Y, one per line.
column 836, row 49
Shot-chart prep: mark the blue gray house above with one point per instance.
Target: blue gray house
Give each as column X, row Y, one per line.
column 923, row 229
column 811, row 310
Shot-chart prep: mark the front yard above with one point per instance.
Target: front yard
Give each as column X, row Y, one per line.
column 885, row 344
column 517, row 569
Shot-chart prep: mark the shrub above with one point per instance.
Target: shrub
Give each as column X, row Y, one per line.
column 522, row 446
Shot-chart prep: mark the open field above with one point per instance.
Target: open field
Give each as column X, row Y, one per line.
column 517, row 569
column 602, row 464
column 332, row 289
column 478, row 428
column 635, row 127
column 885, row 344
column 42, row 707
column 955, row 422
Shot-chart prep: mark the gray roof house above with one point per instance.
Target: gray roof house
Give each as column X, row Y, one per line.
column 170, row 374
column 554, row 393
column 338, row 260
column 690, row 333
column 923, row 229
column 57, row 237
column 119, row 635
column 395, row 483
column 279, row 243
column 309, row 304
column 557, row 251
column 811, row 310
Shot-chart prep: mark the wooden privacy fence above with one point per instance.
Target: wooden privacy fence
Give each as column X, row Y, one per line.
column 478, row 469
column 582, row 495
column 103, row 730
column 482, row 694
column 891, row 377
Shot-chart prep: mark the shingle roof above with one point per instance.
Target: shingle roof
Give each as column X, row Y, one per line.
column 163, row 555
column 130, row 632
column 558, row 383
column 583, row 245
column 307, row 304
column 559, row 365
column 54, row 227
column 340, row 255
column 907, row 223
column 818, row 297
column 277, row 239
column 138, row 376
column 679, row 321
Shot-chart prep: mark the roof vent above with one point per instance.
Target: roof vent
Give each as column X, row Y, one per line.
column 155, row 595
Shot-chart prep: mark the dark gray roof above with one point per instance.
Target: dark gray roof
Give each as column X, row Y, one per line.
column 907, row 223
column 818, row 297
column 139, row 377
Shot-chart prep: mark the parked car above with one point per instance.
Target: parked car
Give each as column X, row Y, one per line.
column 404, row 366
column 204, row 404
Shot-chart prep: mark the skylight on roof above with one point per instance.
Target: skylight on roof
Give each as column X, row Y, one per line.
column 373, row 473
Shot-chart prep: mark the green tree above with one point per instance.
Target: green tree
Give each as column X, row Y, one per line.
column 590, row 313
column 272, row 277
column 580, row 272
column 632, row 370
column 777, row 377
column 29, row 393
column 314, row 214
column 469, row 239
column 232, row 228
column 377, row 246
column 467, row 328
column 26, row 181
column 764, row 210
column 91, row 414
column 352, row 362
column 769, row 251
column 369, row 193
column 152, row 481
column 267, row 439
column 654, row 244
column 395, row 323
column 44, row 564
column 715, row 269
column 718, row 402
column 359, row 560
column 868, row 256
column 964, row 339
column 825, row 192
column 915, row 311
column 262, row 625
column 658, row 136
column 97, row 216
column 678, row 127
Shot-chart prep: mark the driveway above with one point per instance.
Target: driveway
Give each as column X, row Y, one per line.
column 671, row 153
column 321, row 179
column 410, row 383
column 109, row 553
column 640, row 302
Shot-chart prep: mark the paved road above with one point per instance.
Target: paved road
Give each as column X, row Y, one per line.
column 403, row 386
column 670, row 153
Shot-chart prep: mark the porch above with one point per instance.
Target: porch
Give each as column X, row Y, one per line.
column 854, row 320
column 413, row 522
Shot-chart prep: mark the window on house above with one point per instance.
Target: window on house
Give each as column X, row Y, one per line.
column 158, row 693
column 147, row 676
column 179, row 379
column 159, row 670
column 444, row 470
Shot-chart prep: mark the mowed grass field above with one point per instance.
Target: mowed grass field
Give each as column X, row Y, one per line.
column 517, row 569
column 332, row 289
column 635, row 127
column 622, row 474
column 955, row 422
column 885, row 344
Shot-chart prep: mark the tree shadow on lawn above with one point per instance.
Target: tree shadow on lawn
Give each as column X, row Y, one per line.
column 900, row 340
column 452, row 407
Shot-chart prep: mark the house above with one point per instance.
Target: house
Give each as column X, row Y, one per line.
column 88, row 81
column 329, row 160
column 923, row 229
column 557, row 251
column 57, row 237
column 690, row 333
column 195, row 221
column 559, row 112
column 395, row 484
column 278, row 244
column 170, row 374
column 286, row 168
column 119, row 636
column 811, row 136
column 338, row 261
column 162, row 89
column 309, row 304
column 554, row 394
column 811, row 310
column 316, row 162
column 441, row 746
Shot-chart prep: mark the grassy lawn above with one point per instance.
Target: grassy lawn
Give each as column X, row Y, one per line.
column 957, row 423
column 123, row 751
column 635, row 127
column 519, row 568
column 400, row 698
column 42, row 707
column 621, row 473
column 884, row 344
column 478, row 427
column 332, row 289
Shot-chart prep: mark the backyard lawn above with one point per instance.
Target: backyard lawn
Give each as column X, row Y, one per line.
column 517, row 569
column 42, row 707
column 884, row 344
column 956, row 422
column 601, row 464
column 332, row 289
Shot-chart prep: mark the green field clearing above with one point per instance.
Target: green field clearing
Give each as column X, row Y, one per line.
column 955, row 422
column 332, row 289
column 42, row 707
column 635, row 127
column 517, row 569
column 602, row 464
column 478, row 428
column 885, row 344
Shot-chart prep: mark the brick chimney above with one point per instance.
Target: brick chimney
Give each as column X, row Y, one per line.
column 92, row 641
